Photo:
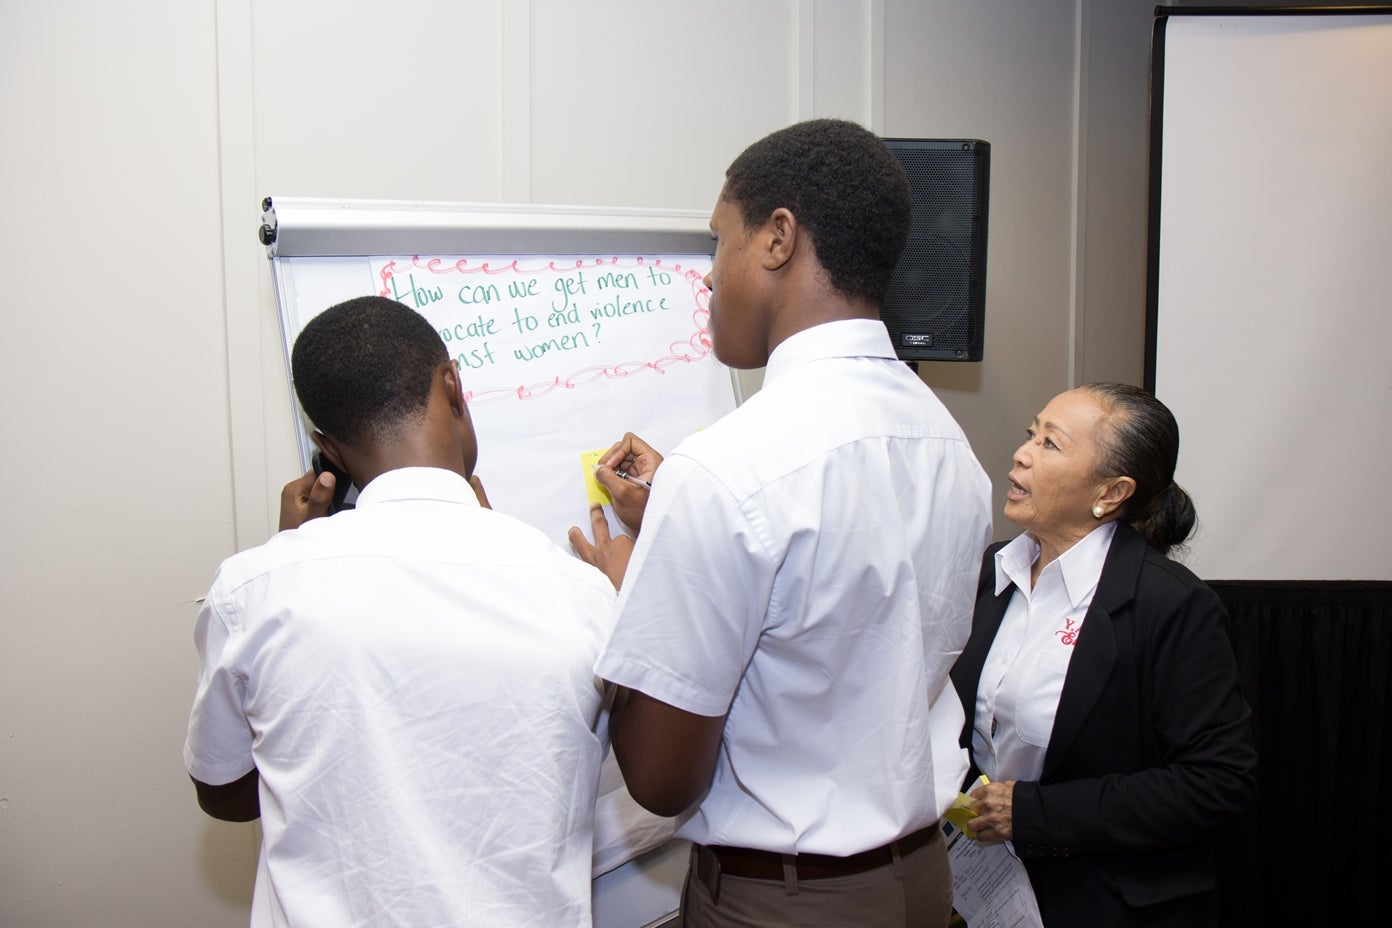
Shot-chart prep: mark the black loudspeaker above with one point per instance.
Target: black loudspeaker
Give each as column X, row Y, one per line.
column 936, row 305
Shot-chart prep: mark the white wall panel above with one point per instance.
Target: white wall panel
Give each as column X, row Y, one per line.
column 366, row 99
column 642, row 104
column 115, row 466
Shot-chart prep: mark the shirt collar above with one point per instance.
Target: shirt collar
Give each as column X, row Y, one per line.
column 405, row 483
column 1013, row 562
column 844, row 338
column 1080, row 566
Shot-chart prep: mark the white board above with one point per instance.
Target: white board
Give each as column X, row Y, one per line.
column 560, row 352
column 558, row 356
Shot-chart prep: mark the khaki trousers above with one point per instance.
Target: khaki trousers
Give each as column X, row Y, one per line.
column 916, row 892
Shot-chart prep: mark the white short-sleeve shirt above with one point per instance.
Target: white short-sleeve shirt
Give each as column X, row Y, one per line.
column 808, row 564
column 412, row 680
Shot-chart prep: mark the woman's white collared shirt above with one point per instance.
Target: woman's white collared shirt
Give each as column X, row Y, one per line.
column 1023, row 676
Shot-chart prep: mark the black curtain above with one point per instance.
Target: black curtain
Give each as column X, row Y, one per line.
column 1315, row 660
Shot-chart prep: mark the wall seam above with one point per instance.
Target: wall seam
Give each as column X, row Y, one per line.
column 875, row 65
column 1077, row 309
column 241, row 306
column 515, row 129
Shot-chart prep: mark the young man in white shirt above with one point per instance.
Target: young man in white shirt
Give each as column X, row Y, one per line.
column 803, row 573
column 402, row 692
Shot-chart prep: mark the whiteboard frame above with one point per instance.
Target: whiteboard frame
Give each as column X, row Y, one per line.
column 322, row 227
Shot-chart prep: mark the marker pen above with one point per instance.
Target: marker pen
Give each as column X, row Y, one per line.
column 625, row 475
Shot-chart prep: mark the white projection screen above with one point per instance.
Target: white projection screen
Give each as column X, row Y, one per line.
column 1269, row 330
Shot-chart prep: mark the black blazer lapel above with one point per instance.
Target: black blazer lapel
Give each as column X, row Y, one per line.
column 1096, row 650
column 990, row 610
column 986, row 620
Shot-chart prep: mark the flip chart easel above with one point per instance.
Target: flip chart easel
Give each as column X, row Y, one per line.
column 571, row 326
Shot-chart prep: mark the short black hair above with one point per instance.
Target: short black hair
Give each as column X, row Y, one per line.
column 843, row 185
column 363, row 368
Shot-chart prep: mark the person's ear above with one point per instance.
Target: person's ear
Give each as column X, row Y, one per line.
column 463, row 423
column 780, row 242
column 454, row 388
column 1115, row 493
column 326, row 446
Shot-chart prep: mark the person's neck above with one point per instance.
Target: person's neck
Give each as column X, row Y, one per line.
column 406, row 452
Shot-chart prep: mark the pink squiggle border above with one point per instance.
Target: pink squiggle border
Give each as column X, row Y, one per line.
column 694, row 348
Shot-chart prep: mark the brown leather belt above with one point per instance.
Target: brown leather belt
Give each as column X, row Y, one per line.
column 768, row 865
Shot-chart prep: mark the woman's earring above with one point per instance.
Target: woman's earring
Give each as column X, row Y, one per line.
column 1097, row 511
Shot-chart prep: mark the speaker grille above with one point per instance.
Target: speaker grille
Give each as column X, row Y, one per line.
column 936, row 305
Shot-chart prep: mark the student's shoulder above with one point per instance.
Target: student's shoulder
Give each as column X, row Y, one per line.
column 284, row 549
column 711, row 446
column 502, row 540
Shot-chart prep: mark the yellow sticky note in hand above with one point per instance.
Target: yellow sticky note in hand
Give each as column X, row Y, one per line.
column 960, row 812
column 597, row 495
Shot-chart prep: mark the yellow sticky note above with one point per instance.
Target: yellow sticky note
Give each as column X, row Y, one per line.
column 597, row 495
column 960, row 812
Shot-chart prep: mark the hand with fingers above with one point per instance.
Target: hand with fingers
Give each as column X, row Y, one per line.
column 635, row 458
column 609, row 553
column 304, row 498
column 994, row 801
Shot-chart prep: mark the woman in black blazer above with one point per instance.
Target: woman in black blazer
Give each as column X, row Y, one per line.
column 1100, row 689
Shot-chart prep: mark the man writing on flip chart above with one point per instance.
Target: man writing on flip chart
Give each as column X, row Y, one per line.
column 803, row 570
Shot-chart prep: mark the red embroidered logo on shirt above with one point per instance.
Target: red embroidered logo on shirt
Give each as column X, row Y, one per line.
column 1069, row 633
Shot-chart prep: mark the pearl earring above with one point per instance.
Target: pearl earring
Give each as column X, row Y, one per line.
column 1097, row 511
